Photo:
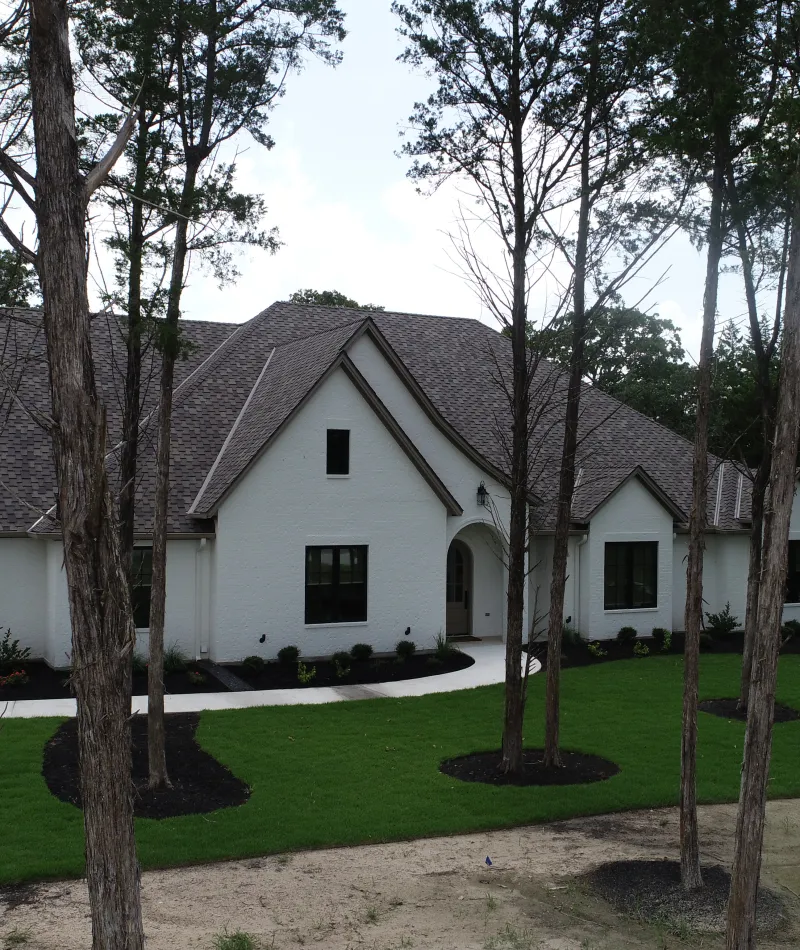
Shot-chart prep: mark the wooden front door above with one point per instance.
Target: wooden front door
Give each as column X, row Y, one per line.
column 459, row 581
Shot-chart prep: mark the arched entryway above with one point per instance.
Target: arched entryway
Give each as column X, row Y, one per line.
column 459, row 590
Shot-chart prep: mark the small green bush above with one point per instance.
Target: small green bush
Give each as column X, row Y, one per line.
column 571, row 640
column 662, row 639
column 627, row 635
column 288, row 655
column 405, row 649
column 139, row 664
column 304, row 674
column 11, row 654
column 706, row 642
column 791, row 628
column 175, row 660
column 361, row 652
column 641, row 649
column 254, row 664
column 596, row 650
column 721, row 625
column 196, row 678
column 341, row 664
column 444, row 648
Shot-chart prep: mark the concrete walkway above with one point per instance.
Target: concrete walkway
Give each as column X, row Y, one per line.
column 488, row 668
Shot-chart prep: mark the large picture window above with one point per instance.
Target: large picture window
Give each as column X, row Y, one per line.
column 142, row 585
column 631, row 575
column 793, row 574
column 336, row 584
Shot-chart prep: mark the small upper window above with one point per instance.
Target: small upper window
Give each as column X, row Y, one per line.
column 793, row 574
column 338, row 457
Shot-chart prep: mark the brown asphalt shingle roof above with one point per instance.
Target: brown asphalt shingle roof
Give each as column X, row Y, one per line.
column 461, row 365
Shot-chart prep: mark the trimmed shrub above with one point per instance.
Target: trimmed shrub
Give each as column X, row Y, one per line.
column 254, row 664
column 288, row 655
column 627, row 635
column 175, row 660
column 361, row 652
column 662, row 639
column 405, row 649
column 341, row 664
column 721, row 625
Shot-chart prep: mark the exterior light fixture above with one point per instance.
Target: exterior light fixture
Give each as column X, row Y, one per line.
column 483, row 495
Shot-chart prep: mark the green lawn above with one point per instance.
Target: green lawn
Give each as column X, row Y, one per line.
column 368, row 771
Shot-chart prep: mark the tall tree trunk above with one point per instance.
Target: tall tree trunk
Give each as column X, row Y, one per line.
column 514, row 711
column 566, row 482
column 763, row 356
column 157, row 761
column 693, row 616
column 740, row 934
column 133, row 372
column 100, row 608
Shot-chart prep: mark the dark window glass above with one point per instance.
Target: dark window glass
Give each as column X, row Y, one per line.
column 338, row 457
column 336, row 584
column 631, row 575
column 142, row 585
column 793, row 574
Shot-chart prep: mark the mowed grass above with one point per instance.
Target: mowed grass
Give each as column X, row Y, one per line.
column 367, row 771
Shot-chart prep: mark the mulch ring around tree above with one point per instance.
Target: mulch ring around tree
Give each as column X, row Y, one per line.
column 577, row 768
column 651, row 891
column 726, row 709
column 199, row 782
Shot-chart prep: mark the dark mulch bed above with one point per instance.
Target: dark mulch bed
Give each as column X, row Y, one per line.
column 577, row 769
column 46, row 683
column 199, row 782
column 651, row 891
column 376, row 670
column 726, row 709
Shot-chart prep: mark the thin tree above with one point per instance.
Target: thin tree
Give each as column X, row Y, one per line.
column 233, row 58
column 102, row 627
column 495, row 63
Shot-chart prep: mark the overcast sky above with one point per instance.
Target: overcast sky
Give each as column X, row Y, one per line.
column 349, row 218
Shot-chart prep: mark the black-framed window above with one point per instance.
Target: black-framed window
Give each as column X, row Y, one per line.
column 793, row 574
column 631, row 575
column 337, row 459
column 336, row 584
column 142, row 574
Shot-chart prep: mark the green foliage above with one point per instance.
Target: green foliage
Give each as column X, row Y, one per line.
column 330, row 298
column 288, row 655
column 14, row 678
column 627, row 634
column 663, row 639
column 11, row 654
column 721, row 625
column 196, row 677
column 791, row 628
column 254, row 664
column 405, row 649
column 341, row 664
column 571, row 640
column 596, row 650
column 234, row 940
column 175, row 660
column 19, row 286
column 361, row 652
column 304, row 674
column 139, row 664
column 445, row 648
column 641, row 649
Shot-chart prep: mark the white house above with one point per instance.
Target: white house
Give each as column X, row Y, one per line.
column 339, row 476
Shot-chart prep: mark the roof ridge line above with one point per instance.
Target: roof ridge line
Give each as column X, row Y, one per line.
column 229, row 436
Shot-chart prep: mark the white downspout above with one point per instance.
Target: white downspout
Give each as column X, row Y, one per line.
column 578, row 547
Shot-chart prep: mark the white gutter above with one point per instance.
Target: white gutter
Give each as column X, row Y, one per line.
column 578, row 547
column 718, row 504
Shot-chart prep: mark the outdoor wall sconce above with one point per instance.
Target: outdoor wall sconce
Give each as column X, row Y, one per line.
column 483, row 495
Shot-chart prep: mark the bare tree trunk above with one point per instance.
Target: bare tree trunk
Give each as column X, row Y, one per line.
column 693, row 616
column 740, row 934
column 100, row 609
column 566, row 483
column 157, row 761
column 514, row 711
column 754, row 572
column 133, row 373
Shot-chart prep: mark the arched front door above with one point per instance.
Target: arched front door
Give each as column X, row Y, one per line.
column 459, row 590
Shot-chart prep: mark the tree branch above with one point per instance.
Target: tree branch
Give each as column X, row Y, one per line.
column 101, row 170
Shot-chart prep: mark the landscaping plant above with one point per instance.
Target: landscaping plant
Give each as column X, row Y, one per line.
column 175, row 660
column 405, row 649
column 627, row 635
column 254, row 664
column 11, row 654
column 196, row 677
column 288, row 655
column 662, row 639
column 304, row 674
column 341, row 663
column 361, row 652
column 641, row 649
column 596, row 650
column 721, row 625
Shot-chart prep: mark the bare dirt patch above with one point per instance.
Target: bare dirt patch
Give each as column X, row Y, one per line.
column 435, row 894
